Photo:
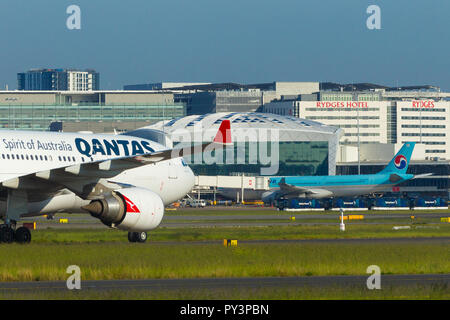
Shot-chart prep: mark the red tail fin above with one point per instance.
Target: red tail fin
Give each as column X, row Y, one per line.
column 223, row 136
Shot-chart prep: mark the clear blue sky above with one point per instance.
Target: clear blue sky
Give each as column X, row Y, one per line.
column 246, row 41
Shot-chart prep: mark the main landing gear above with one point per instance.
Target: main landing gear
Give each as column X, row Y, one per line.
column 9, row 234
column 137, row 236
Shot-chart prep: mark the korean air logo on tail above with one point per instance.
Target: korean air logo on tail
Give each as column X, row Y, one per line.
column 400, row 162
column 131, row 207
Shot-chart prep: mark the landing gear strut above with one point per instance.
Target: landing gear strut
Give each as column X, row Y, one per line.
column 137, row 236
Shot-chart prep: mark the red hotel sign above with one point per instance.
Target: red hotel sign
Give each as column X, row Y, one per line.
column 423, row 104
column 342, row 104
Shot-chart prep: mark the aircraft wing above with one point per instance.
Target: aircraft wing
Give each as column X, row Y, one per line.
column 223, row 137
column 291, row 191
column 288, row 188
column 417, row 176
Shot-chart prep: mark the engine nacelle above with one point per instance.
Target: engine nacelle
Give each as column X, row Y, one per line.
column 269, row 196
column 131, row 209
column 318, row 194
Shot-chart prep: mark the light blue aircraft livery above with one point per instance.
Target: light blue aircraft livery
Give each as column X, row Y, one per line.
column 317, row 187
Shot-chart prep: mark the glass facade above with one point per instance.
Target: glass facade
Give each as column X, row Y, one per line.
column 39, row 117
column 295, row 158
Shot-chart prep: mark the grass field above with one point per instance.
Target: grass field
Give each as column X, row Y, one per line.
column 197, row 252
column 98, row 261
column 270, row 211
column 354, row 230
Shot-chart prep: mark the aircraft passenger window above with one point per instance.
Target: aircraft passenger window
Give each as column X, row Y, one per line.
column 26, row 157
column 31, row 157
column 41, row 158
column 73, row 158
column 12, row 156
column 36, row 158
column 50, row 157
column 21, row 156
column 45, row 157
column 3, row 156
column 7, row 156
column 64, row 158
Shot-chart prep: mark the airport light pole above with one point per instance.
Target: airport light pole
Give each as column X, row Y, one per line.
column 342, row 225
column 357, row 125
column 420, row 121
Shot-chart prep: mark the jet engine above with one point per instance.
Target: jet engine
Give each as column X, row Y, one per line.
column 131, row 209
column 317, row 194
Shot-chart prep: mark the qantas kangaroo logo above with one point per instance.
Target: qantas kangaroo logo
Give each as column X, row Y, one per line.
column 131, row 207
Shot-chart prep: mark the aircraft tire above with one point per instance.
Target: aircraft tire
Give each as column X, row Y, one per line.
column 6, row 234
column 23, row 235
column 141, row 237
column 132, row 236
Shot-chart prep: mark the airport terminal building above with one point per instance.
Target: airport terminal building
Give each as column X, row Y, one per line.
column 300, row 147
column 96, row 111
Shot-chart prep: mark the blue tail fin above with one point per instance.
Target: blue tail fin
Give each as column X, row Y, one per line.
column 399, row 164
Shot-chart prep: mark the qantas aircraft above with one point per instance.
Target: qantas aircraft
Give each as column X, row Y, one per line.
column 123, row 180
column 317, row 187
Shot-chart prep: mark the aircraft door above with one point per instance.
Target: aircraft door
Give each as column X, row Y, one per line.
column 173, row 173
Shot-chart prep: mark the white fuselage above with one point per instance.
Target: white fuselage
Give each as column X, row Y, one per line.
column 25, row 153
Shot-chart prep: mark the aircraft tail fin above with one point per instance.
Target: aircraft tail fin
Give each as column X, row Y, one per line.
column 399, row 164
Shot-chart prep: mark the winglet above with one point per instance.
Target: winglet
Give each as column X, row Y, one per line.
column 223, row 136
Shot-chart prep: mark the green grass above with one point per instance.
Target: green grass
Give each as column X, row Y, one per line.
column 434, row 292
column 223, row 211
column 39, row 262
column 179, row 253
column 354, row 230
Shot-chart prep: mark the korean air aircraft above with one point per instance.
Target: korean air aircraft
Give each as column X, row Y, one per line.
column 316, row 187
column 123, row 180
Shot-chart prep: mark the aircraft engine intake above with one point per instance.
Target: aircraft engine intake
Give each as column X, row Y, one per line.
column 131, row 209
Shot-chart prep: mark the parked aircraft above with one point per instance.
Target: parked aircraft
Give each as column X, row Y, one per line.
column 317, row 187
